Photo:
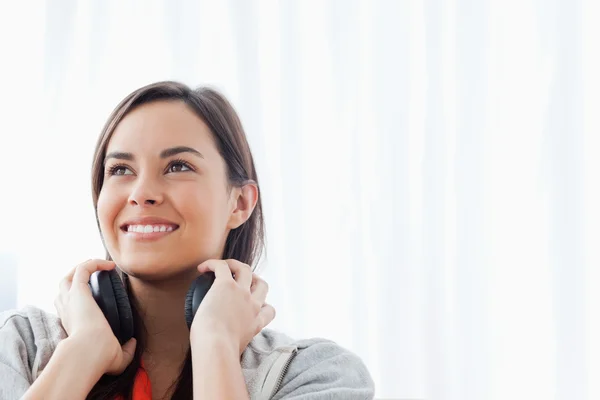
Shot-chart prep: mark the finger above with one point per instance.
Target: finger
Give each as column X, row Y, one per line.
column 69, row 276
column 265, row 316
column 242, row 272
column 63, row 292
column 58, row 307
column 219, row 267
column 72, row 271
column 260, row 290
column 85, row 270
column 128, row 352
column 64, row 285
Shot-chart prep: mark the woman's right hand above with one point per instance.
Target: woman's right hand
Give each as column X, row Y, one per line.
column 84, row 321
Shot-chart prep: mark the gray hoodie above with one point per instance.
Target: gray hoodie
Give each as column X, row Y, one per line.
column 274, row 365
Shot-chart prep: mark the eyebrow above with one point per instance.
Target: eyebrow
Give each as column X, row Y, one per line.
column 171, row 151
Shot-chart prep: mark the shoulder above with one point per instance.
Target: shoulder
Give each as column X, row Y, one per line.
column 33, row 325
column 28, row 336
column 322, row 369
column 311, row 369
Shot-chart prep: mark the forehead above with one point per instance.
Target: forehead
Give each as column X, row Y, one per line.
column 154, row 126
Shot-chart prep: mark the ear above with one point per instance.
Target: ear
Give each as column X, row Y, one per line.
column 243, row 200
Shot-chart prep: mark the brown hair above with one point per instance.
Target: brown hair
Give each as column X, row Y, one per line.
column 244, row 243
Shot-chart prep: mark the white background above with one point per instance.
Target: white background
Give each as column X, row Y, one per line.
column 430, row 170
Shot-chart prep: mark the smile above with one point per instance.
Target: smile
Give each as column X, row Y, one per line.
column 149, row 228
column 148, row 232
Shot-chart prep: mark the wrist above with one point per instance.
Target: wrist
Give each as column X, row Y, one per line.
column 216, row 366
column 213, row 342
column 70, row 370
column 91, row 357
column 77, row 361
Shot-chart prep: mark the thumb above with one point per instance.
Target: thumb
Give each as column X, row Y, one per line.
column 127, row 353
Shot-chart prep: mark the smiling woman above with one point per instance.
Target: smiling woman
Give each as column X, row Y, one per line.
column 161, row 158
column 177, row 197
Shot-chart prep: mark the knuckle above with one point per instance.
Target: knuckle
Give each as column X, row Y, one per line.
column 260, row 283
column 219, row 265
column 247, row 296
column 265, row 284
column 231, row 284
column 237, row 263
column 83, row 263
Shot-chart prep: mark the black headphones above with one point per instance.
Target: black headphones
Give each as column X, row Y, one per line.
column 111, row 296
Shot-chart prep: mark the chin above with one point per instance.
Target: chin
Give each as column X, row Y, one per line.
column 153, row 267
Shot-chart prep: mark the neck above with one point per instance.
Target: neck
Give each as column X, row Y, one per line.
column 161, row 308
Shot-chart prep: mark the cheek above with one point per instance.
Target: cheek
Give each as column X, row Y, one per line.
column 108, row 208
column 205, row 211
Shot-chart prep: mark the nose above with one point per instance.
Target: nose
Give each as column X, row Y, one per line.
column 146, row 192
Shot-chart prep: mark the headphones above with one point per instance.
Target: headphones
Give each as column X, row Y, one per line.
column 111, row 296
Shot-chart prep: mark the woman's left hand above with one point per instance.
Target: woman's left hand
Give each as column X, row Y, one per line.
column 234, row 308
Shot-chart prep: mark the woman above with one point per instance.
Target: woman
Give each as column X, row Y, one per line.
column 176, row 195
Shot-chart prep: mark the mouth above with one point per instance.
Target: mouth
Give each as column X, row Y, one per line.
column 148, row 229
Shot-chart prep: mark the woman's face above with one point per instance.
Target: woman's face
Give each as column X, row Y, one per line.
column 164, row 206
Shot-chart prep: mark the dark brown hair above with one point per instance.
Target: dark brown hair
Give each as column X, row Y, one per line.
column 244, row 243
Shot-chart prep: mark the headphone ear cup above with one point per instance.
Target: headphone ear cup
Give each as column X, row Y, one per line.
column 103, row 293
column 123, row 307
column 189, row 312
column 195, row 295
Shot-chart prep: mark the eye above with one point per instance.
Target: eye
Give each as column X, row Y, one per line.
column 179, row 166
column 119, row 170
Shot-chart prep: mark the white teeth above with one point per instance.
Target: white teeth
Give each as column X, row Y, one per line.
column 149, row 228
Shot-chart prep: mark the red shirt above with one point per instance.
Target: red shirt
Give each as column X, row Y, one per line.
column 142, row 389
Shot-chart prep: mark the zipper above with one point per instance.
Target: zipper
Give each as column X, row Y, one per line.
column 278, row 371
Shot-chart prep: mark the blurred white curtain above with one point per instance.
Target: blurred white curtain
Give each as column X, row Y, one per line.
column 430, row 169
